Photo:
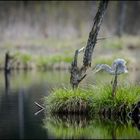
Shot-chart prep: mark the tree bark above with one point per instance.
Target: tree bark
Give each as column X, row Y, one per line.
column 78, row 74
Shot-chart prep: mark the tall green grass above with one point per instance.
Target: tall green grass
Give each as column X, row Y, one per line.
column 92, row 99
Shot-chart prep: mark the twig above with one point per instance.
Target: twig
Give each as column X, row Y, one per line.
column 103, row 38
column 39, row 111
column 39, row 105
column 83, row 48
column 42, row 108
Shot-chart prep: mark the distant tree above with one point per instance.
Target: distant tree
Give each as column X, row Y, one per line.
column 121, row 18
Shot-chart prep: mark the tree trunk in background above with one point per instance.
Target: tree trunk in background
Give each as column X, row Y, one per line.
column 7, row 64
column 41, row 19
column 121, row 18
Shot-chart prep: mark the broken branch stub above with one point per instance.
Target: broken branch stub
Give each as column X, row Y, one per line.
column 78, row 74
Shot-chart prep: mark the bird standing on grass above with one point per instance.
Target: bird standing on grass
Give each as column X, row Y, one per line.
column 118, row 67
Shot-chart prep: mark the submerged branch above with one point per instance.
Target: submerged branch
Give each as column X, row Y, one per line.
column 38, row 112
column 39, row 105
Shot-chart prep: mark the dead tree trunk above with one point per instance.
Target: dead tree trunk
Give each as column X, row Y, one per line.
column 78, row 74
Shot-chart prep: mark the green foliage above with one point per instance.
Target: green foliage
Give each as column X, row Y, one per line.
column 26, row 59
column 57, row 50
column 91, row 99
column 59, row 58
column 43, row 61
column 64, row 129
column 23, row 57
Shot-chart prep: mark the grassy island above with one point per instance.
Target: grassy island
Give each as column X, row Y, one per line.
column 94, row 99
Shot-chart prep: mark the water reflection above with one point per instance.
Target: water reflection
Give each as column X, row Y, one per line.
column 19, row 91
column 7, row 82
column 17, row 120
column 81, row 127
column 21, row 113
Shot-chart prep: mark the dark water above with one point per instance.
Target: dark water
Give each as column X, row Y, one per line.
column 20, row 90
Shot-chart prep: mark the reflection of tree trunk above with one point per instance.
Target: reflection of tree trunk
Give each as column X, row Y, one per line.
column 7, row 70
column 7, row 64
column 121, row 17
column 21, row 114
column 113, row 133
column 7, row 82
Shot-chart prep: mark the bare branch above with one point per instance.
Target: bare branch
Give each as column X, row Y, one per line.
column 39, row 105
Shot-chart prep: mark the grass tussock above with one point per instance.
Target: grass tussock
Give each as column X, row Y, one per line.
column 92, row 99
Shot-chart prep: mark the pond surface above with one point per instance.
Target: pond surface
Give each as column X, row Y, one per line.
column 20, row 90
